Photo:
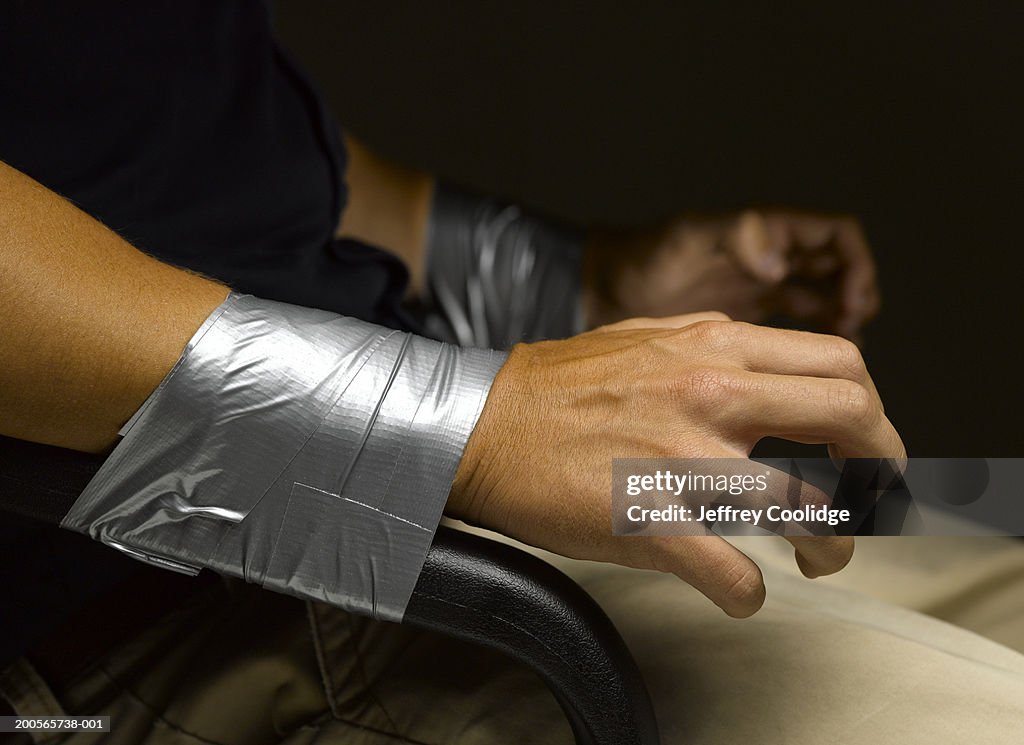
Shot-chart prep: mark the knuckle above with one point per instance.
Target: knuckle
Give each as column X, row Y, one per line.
column 846, row 358
column 710, row 335
column 851, row 402
column 706, row 389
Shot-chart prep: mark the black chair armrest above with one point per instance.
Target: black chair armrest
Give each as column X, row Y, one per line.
column 471, row 588
column 493, row 594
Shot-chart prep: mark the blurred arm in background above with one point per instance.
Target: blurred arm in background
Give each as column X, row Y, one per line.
column 757, row 265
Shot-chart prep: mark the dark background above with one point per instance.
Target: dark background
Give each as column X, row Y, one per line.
column 627, row 112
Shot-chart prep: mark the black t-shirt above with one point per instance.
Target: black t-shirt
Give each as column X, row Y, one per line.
column 181, row 125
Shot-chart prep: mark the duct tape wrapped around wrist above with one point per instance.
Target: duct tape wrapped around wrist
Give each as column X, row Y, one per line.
column 497, row 275
column 297, row 449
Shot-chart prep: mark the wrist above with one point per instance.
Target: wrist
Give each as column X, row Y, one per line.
column 278, row 424
column 477, row 491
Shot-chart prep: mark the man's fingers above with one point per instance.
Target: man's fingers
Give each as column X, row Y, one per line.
column 858, row 284
column 859, row 279
column 780, row 489
column 842, row 237
column 666, row 322
column 826, row 244
column 817, row 556
column 817, row 264
column 727, row 576
column 752, row 246
column 823, row 411
column 786, row 352
column 751, row 406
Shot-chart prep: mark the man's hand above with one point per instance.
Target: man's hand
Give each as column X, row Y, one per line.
column 814, row 269
column 538, row 465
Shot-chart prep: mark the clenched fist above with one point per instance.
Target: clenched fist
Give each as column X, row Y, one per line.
column 814, row 269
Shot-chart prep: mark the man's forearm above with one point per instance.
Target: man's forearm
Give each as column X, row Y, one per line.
column 305, row 451
column 90, row 325
column 455, row 243
column 388, row 206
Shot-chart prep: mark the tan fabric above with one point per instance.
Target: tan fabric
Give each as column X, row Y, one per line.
column 824, row 661
column 976, row 583
column 816, row 664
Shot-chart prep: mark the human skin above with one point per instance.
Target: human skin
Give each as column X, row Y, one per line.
column 814, row 269
column 538, row 464
column 388, row 206
column 91, row 326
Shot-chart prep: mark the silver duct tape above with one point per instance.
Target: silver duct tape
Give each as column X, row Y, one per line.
column 297, row 449
column 497, row 275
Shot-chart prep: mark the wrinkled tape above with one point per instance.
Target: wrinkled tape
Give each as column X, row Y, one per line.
column 294, row 448
column 497, row 275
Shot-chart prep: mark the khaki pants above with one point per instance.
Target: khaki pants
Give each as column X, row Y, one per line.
column 834, row 660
